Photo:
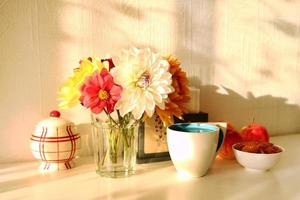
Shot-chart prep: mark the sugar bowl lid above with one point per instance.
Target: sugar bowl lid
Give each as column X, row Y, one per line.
column 54, row 126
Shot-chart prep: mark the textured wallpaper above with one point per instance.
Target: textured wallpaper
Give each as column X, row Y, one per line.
column 244, row 55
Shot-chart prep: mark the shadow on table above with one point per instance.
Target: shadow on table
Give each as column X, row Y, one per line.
column 10, row 170
column 27, row 175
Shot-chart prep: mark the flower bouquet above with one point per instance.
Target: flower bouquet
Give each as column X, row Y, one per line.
column 127, row 90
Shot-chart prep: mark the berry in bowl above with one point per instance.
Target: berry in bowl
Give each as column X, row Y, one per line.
column 255, row 155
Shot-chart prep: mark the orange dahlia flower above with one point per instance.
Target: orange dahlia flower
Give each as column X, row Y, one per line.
column 176, row 102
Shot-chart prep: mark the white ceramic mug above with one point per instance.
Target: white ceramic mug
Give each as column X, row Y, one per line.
column 194, row 146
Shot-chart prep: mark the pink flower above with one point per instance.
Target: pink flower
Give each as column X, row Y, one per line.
column 100, row 92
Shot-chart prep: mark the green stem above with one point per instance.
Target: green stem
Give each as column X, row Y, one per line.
column 113, row 146
column 120, row 129
column 110, row 118
column 125, row 138
column 119, row 116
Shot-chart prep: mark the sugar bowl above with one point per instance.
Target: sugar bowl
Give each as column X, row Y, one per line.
column 55, row 143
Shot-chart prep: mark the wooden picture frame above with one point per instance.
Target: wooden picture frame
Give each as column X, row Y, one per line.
column 152, row 144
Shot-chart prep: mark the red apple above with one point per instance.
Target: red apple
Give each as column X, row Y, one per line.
column 255, row 132
column 232, row 137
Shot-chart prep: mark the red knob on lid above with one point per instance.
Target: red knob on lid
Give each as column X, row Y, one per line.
column 55, row 113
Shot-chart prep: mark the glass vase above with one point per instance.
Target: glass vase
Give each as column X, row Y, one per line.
column 115, row 148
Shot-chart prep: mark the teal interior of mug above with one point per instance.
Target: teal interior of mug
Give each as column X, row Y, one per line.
column 193, row 127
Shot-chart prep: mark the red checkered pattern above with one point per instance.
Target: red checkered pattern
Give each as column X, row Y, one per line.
column 55, row 149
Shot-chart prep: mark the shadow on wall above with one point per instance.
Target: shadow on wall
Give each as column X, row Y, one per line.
column 286, row 27
column 207, row 51
column 224, row 104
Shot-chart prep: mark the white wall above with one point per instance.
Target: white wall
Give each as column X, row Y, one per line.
column 243, row 54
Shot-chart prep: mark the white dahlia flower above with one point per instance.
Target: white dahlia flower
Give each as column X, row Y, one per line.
column 145, row 79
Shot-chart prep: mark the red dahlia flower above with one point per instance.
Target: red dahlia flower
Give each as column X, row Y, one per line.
column 99, row 92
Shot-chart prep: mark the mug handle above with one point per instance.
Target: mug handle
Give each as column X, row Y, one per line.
column 220, row 139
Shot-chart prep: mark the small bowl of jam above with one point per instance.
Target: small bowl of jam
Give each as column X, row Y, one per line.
column 254, row 155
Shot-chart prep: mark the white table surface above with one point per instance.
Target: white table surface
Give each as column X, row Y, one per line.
column 225, row 180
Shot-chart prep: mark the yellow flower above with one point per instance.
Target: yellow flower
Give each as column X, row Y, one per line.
column 69, row 92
